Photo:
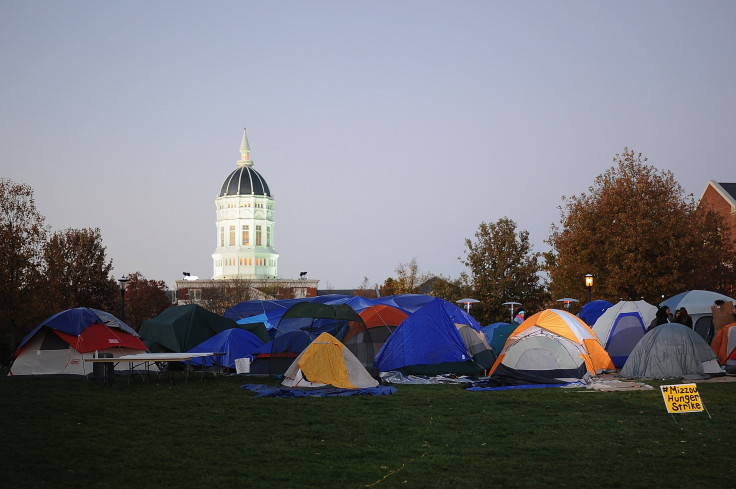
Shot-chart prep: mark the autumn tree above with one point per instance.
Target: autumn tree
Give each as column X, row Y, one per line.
column 22, row 236
column 365, row 289
column 639, row 234
column 451, row 290
column 503, row 267
column 78, row 271
column 231, row 292
column 409, row 279
column 144, row 299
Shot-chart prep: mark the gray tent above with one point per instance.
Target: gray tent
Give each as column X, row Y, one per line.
column 671, row 351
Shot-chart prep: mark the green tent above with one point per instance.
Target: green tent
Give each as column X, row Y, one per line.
column 181, row 328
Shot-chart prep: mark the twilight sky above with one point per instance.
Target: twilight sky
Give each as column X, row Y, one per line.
column 386, row 130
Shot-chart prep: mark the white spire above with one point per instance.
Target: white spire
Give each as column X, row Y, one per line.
column 245, row 152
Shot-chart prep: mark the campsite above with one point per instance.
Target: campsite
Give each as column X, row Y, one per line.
column 437, row 405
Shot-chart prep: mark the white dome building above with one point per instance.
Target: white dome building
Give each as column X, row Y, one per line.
column 245, row 224
column 245, row 260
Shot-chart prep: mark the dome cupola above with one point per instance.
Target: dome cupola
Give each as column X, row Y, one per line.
column 245, row 180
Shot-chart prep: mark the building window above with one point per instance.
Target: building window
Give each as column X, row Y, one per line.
column 268, row 236
column 258, row 236
column 222, row 236
column 246, row 235
column 195, row 295
column 232, row 236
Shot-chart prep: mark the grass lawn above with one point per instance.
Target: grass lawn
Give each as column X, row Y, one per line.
column 77, row 433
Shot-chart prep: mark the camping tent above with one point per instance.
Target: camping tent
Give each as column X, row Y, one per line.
column 724, row 344
column 181, row 328
column 254, row 307
column 62, row 342
column 302, row 323
column 698, row 304
column 621, row 327
column 258, row 325
column 407, row 302
column 234, row 343
column 381, row 321
column 550, row 347
column 326, row 361
column 671, row 351
column 496, row 335
column 439, row 338
column 591, row 311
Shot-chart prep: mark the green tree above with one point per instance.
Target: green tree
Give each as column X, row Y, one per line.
column 502, row 268
column 78, row 271
column 144, row 299
column 22, row 236
column 639, row 234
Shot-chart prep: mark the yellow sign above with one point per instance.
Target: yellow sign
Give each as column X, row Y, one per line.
column 682, row 398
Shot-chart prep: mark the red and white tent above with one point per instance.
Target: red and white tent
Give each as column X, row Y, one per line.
column 61, row 343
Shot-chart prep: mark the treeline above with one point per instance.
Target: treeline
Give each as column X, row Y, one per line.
column 44, row 272
column 635, row 230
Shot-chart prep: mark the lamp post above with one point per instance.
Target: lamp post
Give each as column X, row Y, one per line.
column 589, row 284
column 467, row 303
column 123, row 281
column 511, row 305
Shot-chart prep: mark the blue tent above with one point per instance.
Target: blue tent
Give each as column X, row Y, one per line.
column 497, row 333
column 235, row 343
column 591, row 311
column 255, row 307
column 74, row 321
column 406, row 302
column 437, row 339
column 356, row 302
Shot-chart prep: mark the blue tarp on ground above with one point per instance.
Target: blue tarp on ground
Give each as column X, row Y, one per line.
column 280, row 391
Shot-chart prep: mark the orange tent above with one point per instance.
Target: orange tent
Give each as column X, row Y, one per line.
column 549, row 347
column 724, row 344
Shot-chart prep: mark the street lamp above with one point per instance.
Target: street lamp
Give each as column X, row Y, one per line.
column 123, row 281
column 589, row 284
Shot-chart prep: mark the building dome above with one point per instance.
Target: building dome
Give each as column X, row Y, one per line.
column 245, row 181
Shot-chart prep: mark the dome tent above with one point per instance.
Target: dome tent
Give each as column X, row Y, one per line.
column 62, row 342
column 439, row 338
column 698, row 304
column 496, row 335
column 234, row 343
column 724, row 344
column 325, row 362
column 302, row 323
column 180, row 328
column 591, row 311
column 621, row 327
column 550, row 347
column 671, row 351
